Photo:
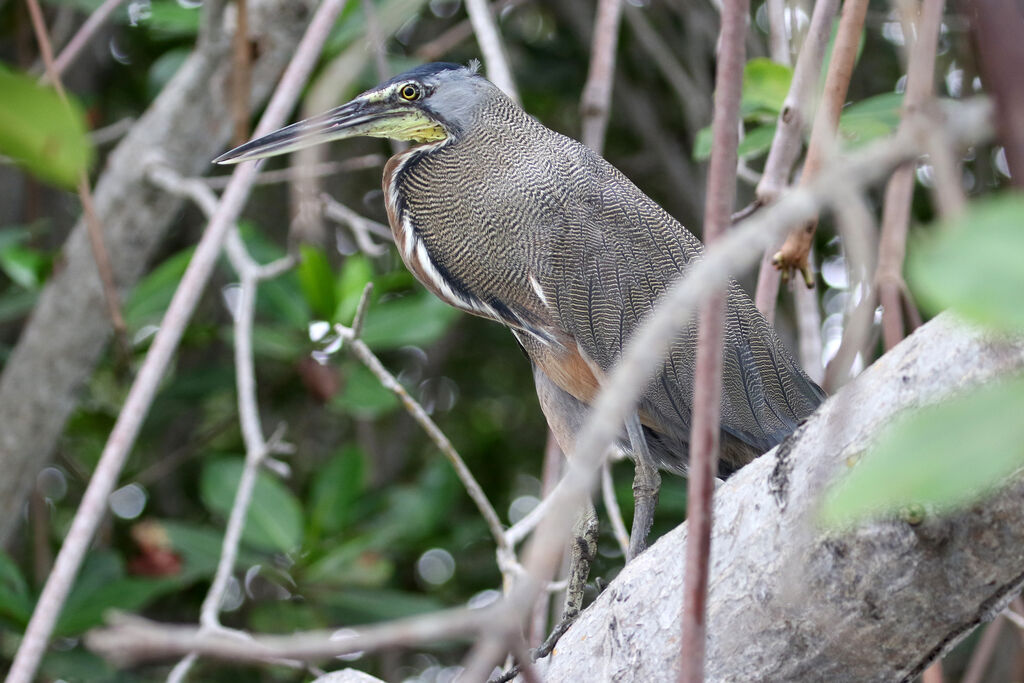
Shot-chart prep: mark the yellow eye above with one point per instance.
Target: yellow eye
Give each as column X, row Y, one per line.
column 410, row 92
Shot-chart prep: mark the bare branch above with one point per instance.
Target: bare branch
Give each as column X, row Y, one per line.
column 789, row 139
column 611, row 504
column 922, row 36
column 323, row 168
column 70, row 52
column 241, row 73
column 441, row 45
column 707, row 390
column 489, row 40
column 129, row 640
column 389, row 382
column 361, row 227
column 143, row 390
column 792, row 256
column 597, row 92
column 99, row 249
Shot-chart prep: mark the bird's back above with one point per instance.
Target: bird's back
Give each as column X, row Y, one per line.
column 549, row 238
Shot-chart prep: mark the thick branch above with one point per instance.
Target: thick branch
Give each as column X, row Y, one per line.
column 790, row 602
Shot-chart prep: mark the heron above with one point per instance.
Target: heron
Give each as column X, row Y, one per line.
column 506, row 219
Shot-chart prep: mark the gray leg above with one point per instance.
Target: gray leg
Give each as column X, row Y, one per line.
column 646, row 485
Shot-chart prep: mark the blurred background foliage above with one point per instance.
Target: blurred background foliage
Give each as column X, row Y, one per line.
column 371, row 523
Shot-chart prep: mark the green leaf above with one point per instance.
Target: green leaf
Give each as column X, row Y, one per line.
column 377, row 605
column 199, row 547
column 101, row 586
column 351, row 564
column 274, row 521
column 362, row 395
column 765, row 86
column 15, row 601
column 870, row 119
column 317, row 282
column 354, row 275
column 25, row 266
column 336, row 489
column 152, row 295
column 757, row 141
column 42, row 133
column 973, row 263
column 702, row 144
column 947, row 455
column 171, row 19
column 417, row 319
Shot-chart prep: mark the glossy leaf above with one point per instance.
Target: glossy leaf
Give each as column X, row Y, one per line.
column 15, row 602
column 870, row 119
column 974, row 264
column 417, row 319
column 275, row 519
column 25, row 266
column 317, row 282
column 765, row 86
column 362, row 395
column 42, row 133
column 152, row 295
column 336, row 489
column 946, row 455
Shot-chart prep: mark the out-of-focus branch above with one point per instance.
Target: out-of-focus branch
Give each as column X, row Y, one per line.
column 922, row 31
column 611, row 505
column 792, row 256
column 443, row 44
column 707, row 390
column 360, row 226
column 99, row 249
column 778, row 42
column 143, row 390
column 241, row 73
column 595, row 104
column 789, row 139
column 70, row 52
column 997, row 27
column 489, row 40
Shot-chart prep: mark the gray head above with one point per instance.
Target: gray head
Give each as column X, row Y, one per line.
column 429, row 103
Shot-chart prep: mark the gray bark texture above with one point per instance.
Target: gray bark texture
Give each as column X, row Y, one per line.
column 789, row 601
column 187, row 125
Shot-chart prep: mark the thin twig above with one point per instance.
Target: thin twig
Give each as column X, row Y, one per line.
column 443, row 44
column 489, row 41
column 611, row 505
column 922, row 36
column 792, row 256
column 92, row 222
column 551, row 472
column 794, row 117
column 597, row 92
column 707, row 390
column 70, row 52
column 241, row 73
column 778, row 42
column 140, row 397
column 360, row 226
column 416, row 411
column 128, row 639
column 983, row 651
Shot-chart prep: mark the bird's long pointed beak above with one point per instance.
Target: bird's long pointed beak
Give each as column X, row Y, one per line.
column 358, row 117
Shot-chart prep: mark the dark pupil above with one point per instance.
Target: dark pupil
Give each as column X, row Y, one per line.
column 409, row 92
